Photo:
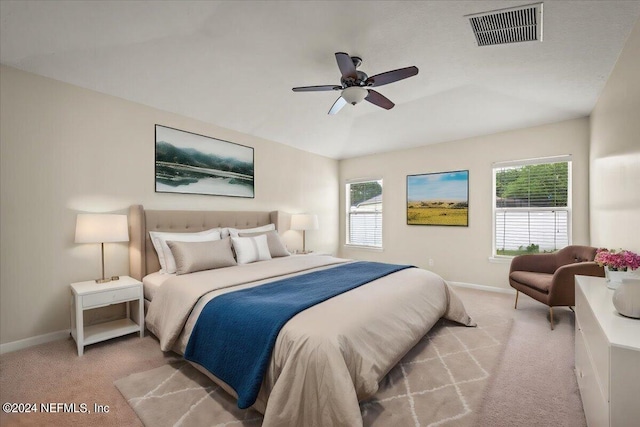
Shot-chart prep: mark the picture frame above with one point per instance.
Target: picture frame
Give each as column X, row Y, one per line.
column 190, row 163
column 440, row 198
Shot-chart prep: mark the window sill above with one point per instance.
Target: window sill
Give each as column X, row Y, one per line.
column 500, row 259
column 366, row 248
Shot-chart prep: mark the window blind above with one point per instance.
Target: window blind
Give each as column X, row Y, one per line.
column 364, row 213
column 532, row 211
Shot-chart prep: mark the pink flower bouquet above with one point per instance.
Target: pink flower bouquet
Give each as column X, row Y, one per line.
column 617, row 261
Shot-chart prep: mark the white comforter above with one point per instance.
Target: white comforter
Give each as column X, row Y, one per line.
column 328, row 357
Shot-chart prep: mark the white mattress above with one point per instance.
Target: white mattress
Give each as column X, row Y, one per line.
column 151, row 283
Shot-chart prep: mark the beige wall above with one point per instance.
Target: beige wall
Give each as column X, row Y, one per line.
column 462, row 253
column 65, row 150
column 615, row 154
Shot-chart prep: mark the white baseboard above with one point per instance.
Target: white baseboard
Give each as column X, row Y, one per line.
column 30, row 342
column 482, row 287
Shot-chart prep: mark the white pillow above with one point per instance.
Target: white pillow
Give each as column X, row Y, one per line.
column 159, row 240
column 277, row 247
column 251, row 249
column 233, row 232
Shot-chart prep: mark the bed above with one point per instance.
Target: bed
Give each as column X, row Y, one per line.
column 327, row 358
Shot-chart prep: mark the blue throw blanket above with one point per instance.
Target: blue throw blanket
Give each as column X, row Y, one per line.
column 236, row 332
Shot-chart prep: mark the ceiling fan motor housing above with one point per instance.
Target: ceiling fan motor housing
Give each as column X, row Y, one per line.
column 359, row 81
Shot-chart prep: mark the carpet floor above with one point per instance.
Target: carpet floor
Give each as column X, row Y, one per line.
column 533, row 385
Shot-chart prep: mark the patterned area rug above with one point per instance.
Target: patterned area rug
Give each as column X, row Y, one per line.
column 440, row 382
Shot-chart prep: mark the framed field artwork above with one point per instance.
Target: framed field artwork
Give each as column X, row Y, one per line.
column 438, row 198
column 196, row 164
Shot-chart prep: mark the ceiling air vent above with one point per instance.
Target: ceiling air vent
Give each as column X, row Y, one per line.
column 510, row 25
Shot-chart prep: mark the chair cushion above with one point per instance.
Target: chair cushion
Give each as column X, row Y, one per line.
column 538, row 281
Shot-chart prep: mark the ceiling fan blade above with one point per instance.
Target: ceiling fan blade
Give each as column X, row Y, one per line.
column 391, row 76
column 316, row 88
column 345, row 63
column 380, row 100
column 337, row 106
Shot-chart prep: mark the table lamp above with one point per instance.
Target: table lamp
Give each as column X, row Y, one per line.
column 304, row 222
column 102, row 228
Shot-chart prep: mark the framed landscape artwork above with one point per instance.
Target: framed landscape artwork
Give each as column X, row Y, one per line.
column 438, row 198
column 195, row 164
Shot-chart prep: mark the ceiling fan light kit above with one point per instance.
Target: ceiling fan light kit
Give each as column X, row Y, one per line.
column 354, row 84
column 354, row 94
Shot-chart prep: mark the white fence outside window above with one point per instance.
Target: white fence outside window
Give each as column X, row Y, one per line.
column 545, row 228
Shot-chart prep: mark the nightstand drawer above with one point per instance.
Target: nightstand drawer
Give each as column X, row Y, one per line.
column 110, row 297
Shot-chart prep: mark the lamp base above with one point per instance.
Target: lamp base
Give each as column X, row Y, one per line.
column 107, row 279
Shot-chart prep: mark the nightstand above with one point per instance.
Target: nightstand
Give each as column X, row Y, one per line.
column 89, row 295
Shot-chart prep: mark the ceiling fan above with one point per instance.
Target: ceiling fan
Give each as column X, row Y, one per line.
column 354, row 84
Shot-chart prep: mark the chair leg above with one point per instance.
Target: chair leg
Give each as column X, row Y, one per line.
column 517, row 293
column 551, row 316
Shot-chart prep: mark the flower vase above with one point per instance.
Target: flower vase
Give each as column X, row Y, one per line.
column 614, row 277
column 626, row 298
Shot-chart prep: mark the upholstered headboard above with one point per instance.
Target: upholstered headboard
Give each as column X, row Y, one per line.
column 142, row 256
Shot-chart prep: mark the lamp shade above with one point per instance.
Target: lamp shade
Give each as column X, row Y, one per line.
column 304, row 222
column 101, row 228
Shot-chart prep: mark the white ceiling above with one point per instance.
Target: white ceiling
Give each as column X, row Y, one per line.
column 234, row 64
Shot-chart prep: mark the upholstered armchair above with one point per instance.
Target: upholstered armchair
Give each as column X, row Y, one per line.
column 549, row 278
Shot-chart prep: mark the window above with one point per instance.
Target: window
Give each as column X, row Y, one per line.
column 364, row 213
column 532, row 206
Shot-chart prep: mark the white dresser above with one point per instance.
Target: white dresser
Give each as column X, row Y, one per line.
column 607, row 357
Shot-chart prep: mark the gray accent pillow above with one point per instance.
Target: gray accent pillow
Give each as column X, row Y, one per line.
column 197, row 256
column 276, row 246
